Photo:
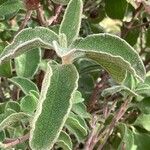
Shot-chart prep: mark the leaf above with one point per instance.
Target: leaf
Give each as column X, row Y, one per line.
column 77, row 126
column 24, row 84
column 28, row 104
column 71, row 22
column 10, row 7
column 127, row 138
column 81, row 110
column 26, row 65
column 141, row 141
column 112, row 53
column 143, row 121
column 28, row 39
column 115, row 9
column 62, row 2
column 64, row 141
column 13, row 105
column 77, row 97
column 148, row 37
column 144, row 105
column 5, row 68
column 15, row 117
column 55, row 102
column 117, row 88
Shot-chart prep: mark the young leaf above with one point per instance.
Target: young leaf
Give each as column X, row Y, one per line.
column 77, row 97
column 77, row 126
column 64, row 141
column 71, row 22
column 29, row 39
column 28, row 104
column 24, row 84
column 55, row 102
column 13, row 105
column 27, row 64
column 112, row 53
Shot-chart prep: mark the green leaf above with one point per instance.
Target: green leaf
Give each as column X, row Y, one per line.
column 148, row 37
column 55, row 102
column 10, row 7
column 127, row 138
column 143, row 121
column 13, row 105
column 64, row 141
column 26, row 65
column 117, row 88
column 28, row 104
column 112, row 53
column 77, row 97
column 28, row 39
column 62, row 2
column 115, row 9
column 15, row 117
column 141, row 141
column 71, row 22
column 81, row 110
column 5, row 69
column 77, row 126
column 144, row 105
column 24, row 84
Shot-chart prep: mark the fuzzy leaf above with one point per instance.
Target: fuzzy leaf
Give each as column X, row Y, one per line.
column 117, row 88
column 77, row 126
column 55, row 102
column 24, row 84
column 64, row 141
column 62, row 2
column 12, row 119
column 13, row 105
column 29, row 39
column 112, row 53
column 10, row 6
column 28, row 104
column 27, row 64
column 71, row 22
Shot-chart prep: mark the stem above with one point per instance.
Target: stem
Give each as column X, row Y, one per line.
column 108, row 131
column 26, row 19
column 12, row 142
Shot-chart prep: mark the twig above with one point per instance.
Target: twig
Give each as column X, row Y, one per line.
column 54, row 18
column 99, row 87
column 40, row 16
column 26, row 19
column 108, row 131
column 91, row 141
column 12, row 142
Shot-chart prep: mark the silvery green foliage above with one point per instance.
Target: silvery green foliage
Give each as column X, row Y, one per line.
column 60, row 105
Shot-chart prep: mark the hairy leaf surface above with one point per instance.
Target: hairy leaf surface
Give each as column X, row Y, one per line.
column 55, row 102
column 112, row 53
column 29, row 39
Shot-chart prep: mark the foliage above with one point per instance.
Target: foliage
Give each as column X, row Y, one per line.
column 74, row 74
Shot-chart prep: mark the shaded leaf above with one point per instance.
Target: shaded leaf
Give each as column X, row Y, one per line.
column 64, row 141
column 24, row 84
column 27, row 64
column 143, row 121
